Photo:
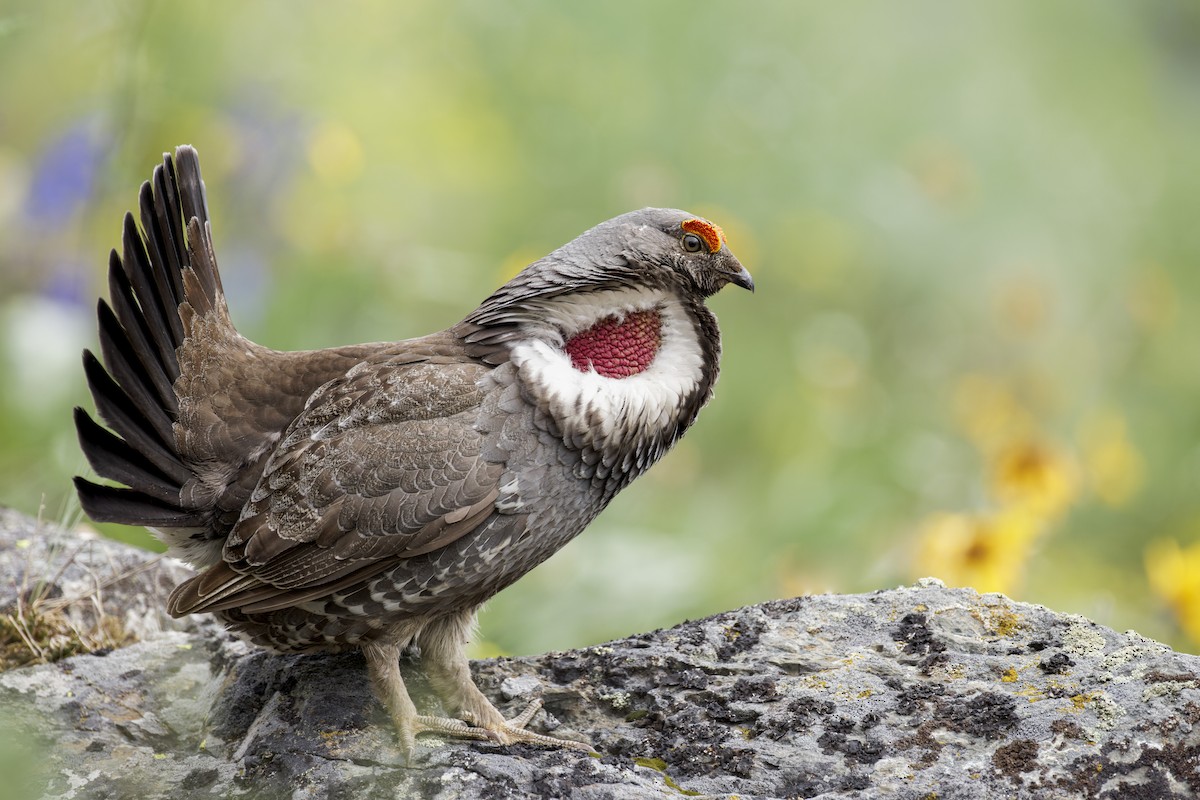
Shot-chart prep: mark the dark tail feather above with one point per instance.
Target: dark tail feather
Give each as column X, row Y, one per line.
column 140, row 268
column 129, row 372
column 139, row 335
column 131, row 507
column 123, row 416
column 195, row 207
column 111, row 456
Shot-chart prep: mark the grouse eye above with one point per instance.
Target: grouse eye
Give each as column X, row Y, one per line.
column 692, row 243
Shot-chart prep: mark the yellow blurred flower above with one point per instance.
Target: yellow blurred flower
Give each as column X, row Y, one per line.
column 1111, row 462
column 335, row 153
column 1035, row 477
column 1031, row 482
column 1174, row 575
column 988, row 412
column 1023, row 304
column 988, row 553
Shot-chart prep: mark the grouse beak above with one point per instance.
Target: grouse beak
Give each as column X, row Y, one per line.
column 742, row 278
column 735, row 273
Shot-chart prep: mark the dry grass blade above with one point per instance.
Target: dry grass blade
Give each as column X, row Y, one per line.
column 40, row 628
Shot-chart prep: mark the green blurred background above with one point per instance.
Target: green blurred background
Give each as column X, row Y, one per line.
column 973, row 352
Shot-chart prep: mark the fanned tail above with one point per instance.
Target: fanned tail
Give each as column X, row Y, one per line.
column 165, row 275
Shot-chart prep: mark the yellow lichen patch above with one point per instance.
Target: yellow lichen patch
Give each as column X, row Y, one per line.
column 1009, row 675
column 848, row 693
column 1005, row 623
column 1080, row 701
column 1031, row 693
column 712, row 234
column 660, row 766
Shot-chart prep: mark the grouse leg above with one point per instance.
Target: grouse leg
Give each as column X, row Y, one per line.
column 383, row 664
column 445, row 663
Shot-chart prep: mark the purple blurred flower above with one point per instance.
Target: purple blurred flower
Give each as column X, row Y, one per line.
column 64, row 175
column 68, row 287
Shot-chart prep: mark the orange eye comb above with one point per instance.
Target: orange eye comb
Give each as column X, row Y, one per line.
column 712, row 235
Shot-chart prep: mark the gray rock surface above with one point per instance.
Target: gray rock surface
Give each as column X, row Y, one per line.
column 917, row 692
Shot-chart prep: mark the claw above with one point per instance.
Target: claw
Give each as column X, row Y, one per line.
column 509, row 732
column 522, row 719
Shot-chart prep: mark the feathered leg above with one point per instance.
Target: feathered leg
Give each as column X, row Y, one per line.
column 383, row 663
column 446, row 665
column 449, row 672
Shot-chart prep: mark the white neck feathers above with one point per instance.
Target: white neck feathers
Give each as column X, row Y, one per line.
column 597, row 408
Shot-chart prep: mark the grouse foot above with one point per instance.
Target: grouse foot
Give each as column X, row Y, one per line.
column 481, row 720
column 509, row 731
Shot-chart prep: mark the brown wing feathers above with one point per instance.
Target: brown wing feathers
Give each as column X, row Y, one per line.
column 347, row 495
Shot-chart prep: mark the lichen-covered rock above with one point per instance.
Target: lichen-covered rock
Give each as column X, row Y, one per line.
column 919, row 692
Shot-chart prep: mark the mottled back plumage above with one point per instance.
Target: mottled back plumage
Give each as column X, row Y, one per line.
column 375, row 495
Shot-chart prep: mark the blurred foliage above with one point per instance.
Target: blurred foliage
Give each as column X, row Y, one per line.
column 973, row 351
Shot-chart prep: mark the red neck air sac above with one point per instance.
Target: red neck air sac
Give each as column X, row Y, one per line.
column 617, row 348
